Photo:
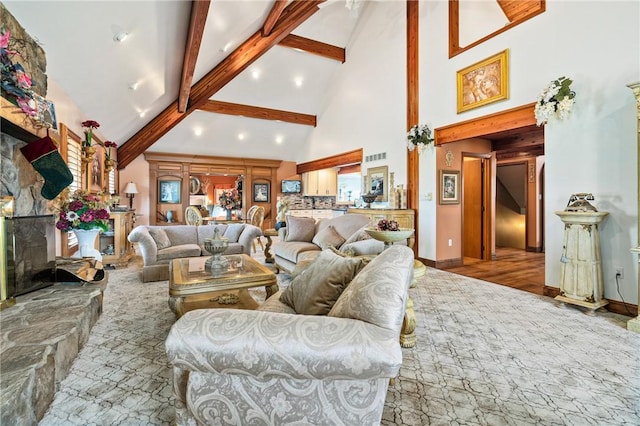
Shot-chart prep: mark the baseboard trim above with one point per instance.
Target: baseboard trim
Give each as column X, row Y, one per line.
column 615, row 306
column 534, row 249
column 448, row 263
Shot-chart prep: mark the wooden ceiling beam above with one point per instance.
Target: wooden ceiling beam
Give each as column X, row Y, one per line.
column 273, row 16
column 246, row 54
column 346, row 158
column 199, row 12
column 229, row 108
column 250, row 51
column 314, row 47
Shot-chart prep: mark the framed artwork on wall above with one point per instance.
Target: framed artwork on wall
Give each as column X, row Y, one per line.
column 378, row 182
column 95, row 170
column 449, row 187
column 169, row 191
column 261, row 192
column 484, row 82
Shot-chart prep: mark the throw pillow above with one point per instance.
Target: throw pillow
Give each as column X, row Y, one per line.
column 359, row 235
column 233, row 232
column 317, row 288
column 328, row 237
column 300, row 228
column 160, row 237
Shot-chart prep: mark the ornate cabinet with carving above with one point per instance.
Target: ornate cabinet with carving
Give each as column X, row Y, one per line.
column 113, row 244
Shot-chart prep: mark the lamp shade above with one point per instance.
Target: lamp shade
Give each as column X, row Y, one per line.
column 131, row 188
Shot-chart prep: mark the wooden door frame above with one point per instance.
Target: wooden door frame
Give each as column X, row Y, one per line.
column 487, row 228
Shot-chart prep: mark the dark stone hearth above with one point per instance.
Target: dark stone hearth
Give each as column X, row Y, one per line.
column 39, row 338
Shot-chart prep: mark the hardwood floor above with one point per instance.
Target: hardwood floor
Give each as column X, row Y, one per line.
column 513, row 268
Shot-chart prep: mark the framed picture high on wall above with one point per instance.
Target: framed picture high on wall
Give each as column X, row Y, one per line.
column 449, row 187
column 484, row 82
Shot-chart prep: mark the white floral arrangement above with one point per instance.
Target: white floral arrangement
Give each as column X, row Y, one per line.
column 419, row 136
column 555, row 101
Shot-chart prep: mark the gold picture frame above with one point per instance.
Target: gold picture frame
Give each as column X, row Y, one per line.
column 378, row 182
column 484, row 82
column 449, row 187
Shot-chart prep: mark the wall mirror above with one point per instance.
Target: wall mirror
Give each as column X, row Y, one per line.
column 472, row 22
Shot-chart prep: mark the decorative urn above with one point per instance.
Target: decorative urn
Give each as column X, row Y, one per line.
column 216, row 245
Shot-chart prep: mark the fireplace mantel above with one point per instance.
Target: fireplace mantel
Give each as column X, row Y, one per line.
column 16, row 123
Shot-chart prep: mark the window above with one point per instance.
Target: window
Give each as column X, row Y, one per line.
column 71, row 148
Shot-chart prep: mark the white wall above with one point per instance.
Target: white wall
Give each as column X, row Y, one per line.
column 593, row 42
column 367, row 103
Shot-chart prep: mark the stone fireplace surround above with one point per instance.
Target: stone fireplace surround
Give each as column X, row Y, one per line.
column 43, row 332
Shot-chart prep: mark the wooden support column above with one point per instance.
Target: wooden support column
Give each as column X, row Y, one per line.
column 413, row 170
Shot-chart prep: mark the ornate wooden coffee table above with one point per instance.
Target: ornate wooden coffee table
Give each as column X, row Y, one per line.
column 192, row 287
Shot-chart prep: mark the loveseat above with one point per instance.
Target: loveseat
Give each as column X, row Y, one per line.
column 273, row 366
column 161, row 244
column 303, row 239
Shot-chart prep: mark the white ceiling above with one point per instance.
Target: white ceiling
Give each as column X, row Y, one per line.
column 97, row 72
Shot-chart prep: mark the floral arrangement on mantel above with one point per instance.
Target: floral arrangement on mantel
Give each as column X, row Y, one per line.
column 419, row 136
column 229, row 200
column 15, row 82
column 555, row 101
column 388, row 225
column 81, row 210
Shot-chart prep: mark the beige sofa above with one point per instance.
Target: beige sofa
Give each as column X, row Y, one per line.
column 271, row 366
column 303, row 239
column 161, row 244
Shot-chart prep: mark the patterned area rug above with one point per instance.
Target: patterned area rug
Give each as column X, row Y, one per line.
column 485, row 355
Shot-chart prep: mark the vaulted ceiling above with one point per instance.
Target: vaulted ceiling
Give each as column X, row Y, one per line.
column 254, row 92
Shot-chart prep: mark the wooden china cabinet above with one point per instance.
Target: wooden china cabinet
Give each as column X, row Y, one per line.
column 181, row 168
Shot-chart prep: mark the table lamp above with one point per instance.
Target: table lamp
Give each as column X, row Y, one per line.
column 131, row 190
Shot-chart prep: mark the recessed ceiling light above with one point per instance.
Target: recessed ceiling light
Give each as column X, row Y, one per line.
column 241, row 136
column 255, row 74
column 298, row 81
column 279, row 139
column 134, row 85
column 226, row 47
column 142, row 113
column 120, row 36
column 197, row 131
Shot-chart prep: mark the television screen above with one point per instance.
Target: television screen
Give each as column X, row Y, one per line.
column 291, row 186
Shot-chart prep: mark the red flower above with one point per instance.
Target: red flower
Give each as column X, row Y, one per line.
column 76, row 205
column 90, row 124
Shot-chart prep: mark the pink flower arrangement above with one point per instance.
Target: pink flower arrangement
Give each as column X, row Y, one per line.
column 90, row 125
column 229, row 200
column 108, row 145
column 82, row 211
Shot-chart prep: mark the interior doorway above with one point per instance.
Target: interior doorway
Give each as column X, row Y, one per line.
column 515, row 140
column 511, row 205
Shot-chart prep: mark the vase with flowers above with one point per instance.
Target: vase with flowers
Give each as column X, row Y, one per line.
column 88, row 150
column 230, row 200
column 419, row 136
column 555, row 102
column 109, row 162
column 85, row 215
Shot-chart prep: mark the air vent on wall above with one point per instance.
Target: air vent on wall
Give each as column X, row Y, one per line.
column 375, row 157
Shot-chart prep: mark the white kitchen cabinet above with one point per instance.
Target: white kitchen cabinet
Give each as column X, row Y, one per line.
column 320, row 182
